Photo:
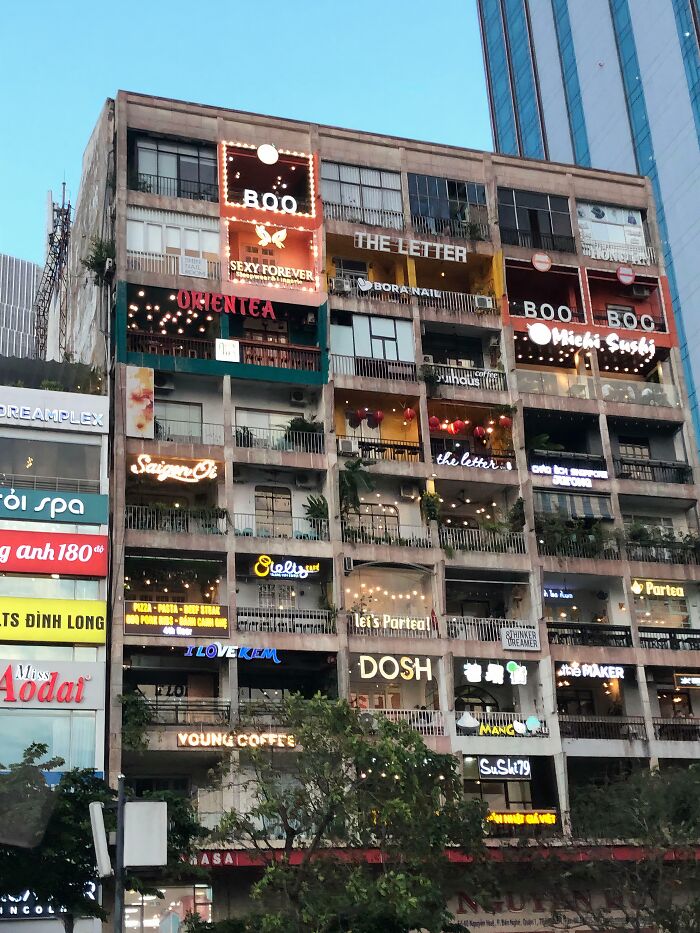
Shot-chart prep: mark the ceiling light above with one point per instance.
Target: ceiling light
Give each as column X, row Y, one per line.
column 268, row 154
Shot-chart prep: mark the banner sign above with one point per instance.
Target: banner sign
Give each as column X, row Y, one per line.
column 46, row 552
column 59, row 621
column 55, row 411
column 35, row 505
column 140, row 392
column 181, row 620
column 51, row 685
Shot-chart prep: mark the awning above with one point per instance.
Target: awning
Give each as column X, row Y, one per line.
column 573, row 506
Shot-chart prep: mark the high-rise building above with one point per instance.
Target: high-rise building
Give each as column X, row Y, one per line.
column 286, row 298
column 19, row 280
column 611, row 84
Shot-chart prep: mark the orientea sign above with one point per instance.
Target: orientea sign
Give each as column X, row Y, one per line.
column 46, row 552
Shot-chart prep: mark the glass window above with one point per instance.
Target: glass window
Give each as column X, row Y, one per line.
column 177, row 419
column 175, row 169
column 144, row 913
column 27, row 462
column 68, row 734
column 370, row 196
column 377, row 520
column 636, row 448
column 48, row 587
column 539, row 220
column 273, row 511
column 446, row 199
column 49, row 652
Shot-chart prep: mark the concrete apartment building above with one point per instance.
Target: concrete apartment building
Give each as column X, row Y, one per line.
column 289, row 297
column 19, row 280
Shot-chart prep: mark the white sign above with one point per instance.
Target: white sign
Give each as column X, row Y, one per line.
column 625, row 275
column 391, row 668
column 51, row 685
column 627, row 319
column 568, row 476
column 194, row 266
column 495, row 672
column 541, row 262
column 421, row 249
column 510, row 767
column 551, row 592
column 548, row 312
column 409, row 291
column 364, row 621
column 596, row 671
column 269, row 201
column 472, row 378
column 264, row 272
column 227, row 351
column 543, row 334
column 447, row 458
column 56, row 411
column 518, row 638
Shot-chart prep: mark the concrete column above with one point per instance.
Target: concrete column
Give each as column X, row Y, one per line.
column 645, row 701
column 446, row 683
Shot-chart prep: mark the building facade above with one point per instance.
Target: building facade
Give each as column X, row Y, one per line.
column 19, row 280
column 590, row 83
column 520, row 582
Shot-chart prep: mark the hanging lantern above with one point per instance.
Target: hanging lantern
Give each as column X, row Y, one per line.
column 379, row 416
column 434, row 423
column 479, row 432
column 458, row 425
column 360, row 414
column 452, row 428
column 409, row 414
column 353, row 421
column 505, row 421
column 372, row 422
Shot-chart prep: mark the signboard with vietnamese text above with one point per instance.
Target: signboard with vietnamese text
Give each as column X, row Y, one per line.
column 53, row 621
column 47, row 552
column 51, row 685
column 36, row 505
column 179, row 620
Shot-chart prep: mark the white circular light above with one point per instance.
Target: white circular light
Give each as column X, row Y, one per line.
column 268, row 154
column 539, row 334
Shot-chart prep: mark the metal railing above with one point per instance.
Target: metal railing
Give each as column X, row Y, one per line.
column 475, row 628
column 454, row 227
column 423, row 721
column 364, row 531
column 516, row 307
column 461, row 303
column 212, row 521
column 492, row 380
column 669, row 639
column 652, row 471
column 382, row 630
column 370, row 216
column 463, row 448
column 280, row 355
column 652, row 394
column 499, row 719
column 602, row 318
column 165, row 264
column 381, row 448
column 609, row 550
column 187, row 711
column 293, row 621
column 302, row 529
column 573, row 633
column 478, row 539
column 665, row 553
column 369, row 368
column 174, row 187
column 193, row 348
column 567, row 458
column 50, row 483
column 301, row 442
column 188, row 432
column 557, row 242
column 603, row 727
column 680, row 729
column 561, row 384
column 619, row 252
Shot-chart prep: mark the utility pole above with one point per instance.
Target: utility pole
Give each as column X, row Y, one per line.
column 119, row 859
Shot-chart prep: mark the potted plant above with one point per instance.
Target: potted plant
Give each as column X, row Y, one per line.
column 429, row 375
column 430, row 506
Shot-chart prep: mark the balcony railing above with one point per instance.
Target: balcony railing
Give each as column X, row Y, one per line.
column 188, row 432
column 533, row 240
column 369, row 368
column 561, row 384
column 193, row 348
column 498, row 720
column 567, row 458
column 602, row 318
column 302, row 529
column 461, row 303
column 474, row 628
column 280, row 355
column 347, row 285
column 301, row 442
column 574, row 633
column 293, row 621
column 619, row 252
column 187, row 711
column 212, row 521
column 174, row 187
column 445, row 450
column 639, row 393
column 381, row 449
column 629, row 728
column 671, row 553
column 653, row 471
column 165, row 264
column 458, row 229
column 386, row 533
column 681, row 729
column 609, row 550
column 669, row 639
column 516, row 307
column 490, row 380
column 423, row 721
column 477, row 539
column 50, row 483
column 370, row 216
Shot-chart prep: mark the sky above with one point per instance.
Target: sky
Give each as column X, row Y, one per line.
column 401, row 67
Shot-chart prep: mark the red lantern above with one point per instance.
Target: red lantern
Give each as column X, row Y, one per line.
column 360, row 414
column 459, row 425
column 505, row 421
column 372, row 422
column 479, row 432
column 409, row 414
column 379, row 416
column 452, row 428
column 434, row 423
column 353, row 421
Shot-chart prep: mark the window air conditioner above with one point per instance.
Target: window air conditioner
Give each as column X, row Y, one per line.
column 641, row 291
column 348, row 564
column 348, row 447
column 428, row 358
column 297, row 397
column 409, row 491
column 341, row 286
column 483, row 301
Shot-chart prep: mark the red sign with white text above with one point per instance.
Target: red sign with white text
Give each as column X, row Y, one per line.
column 49, row 552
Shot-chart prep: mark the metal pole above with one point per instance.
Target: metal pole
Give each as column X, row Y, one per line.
column 119, row 866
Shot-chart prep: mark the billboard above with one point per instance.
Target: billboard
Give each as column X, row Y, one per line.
column 36, row 505
column 53, row 411
column 47, row 552
column 59, row 621
column 179, row 620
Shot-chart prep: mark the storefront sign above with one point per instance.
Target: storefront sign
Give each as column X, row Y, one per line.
column 420, row 249
column 236, row 740
column 472, row 378
column 514, row 729
column 594, row 671
column 518, row 638
column 654, row 588
column 509, row 768
column 225, row 304
column 217, row 650
column 541, row 261
column 401, row 291
column 628, row 319
column 385, row 622
column 269, row 273
column 547, row 312
column 495, row 672
column 25, row 906
column 289, row 570
column 45, row 552
column 35, row 505
column 269, row 201
column 687, row 680
column 63, row 621
column 467, row 459
column 194, row 266
column 54, row 684
column 542, row 335
column 227, row 351
column 578, row 477
column 625, row 275
column 181, row 620
column 518, row 818
column 55, row 411
column 551, row 592
column 163, row 470
column 390, row 668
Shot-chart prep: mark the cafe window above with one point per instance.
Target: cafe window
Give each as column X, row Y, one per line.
column 177, row 419
column 377, row 520
column 379, row 338
column 674, row 704
column 25, row 462
column 277, row 596
column 574, row 702
column 146, row 912
column 446, row 199
column 499, row 795
column 661, row 610
column 273, row 511
column 634, row 448
column 68, row 734
column 371, row 196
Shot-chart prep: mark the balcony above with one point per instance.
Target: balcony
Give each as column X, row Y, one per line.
column 213, row 521
column 188, row 711
column 369, row 216
column 301, row 442
column 488, row 380
column 380, row 449
column 280, row 355
column 188, row 432
column 670, row 639
column 619, row 252
column 651, row 394
column 50, row 483
column 368, row 368
column 498, row 722
column 575, row 634
column 561, row 384
column 446, row 451
column 477, row 539
column 422, row 721
column 653, row 471
column 474, row 628
column 663, row 553
column 534, row 240
column 285, row 621
column 191, row 348
column 301, row 529
column 167, row 264
column 571, row 460
column 454, row 227
column 589, row 550
column 620, row 728
column 174, row 187
column 453, row 302
column 683, row 729
column 603, row 317
column 386, row 533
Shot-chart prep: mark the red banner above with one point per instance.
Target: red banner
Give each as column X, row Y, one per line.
column 49, row 552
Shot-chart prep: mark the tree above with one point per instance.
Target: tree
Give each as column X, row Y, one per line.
column 353, row 480
column 355, row 783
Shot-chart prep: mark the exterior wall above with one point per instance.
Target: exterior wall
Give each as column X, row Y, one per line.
column 19, row 281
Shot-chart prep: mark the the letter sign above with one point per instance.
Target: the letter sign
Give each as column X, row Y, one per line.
column 46, row 552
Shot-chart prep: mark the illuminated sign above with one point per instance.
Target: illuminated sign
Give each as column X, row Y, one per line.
column 25, row 904
column 687, row 680
column 217, row 650
column 265, row 238
column 495, row 672
column 64, row 684
column 268, row 201
column 174, row 619
column 578, row 477
column 269, row 273
column 236, row 740
column 595, row 671
column 447, row 458
column 389, row 668
column 64, row 621
column 543, row 334
column 45, row 552
column 163, row 470
column 225, row 304
column 551, row 592
column 473, row 378
column 547, row 312
column 652, row 588
column 420, row 249
column 265, row 178
column 388, row 622
column 364, row 286
column 57, row 411
column 509, row 767
column 289, row 570
column 522, row 817
column 627, row 319
column 35, row 505
column 514, row 729
column 519, row 638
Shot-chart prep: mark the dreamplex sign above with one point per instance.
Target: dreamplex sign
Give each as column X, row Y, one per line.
column 542, row 335
column 57, row 411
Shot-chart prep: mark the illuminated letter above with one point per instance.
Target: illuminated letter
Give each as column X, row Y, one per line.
column 250, row 198
column 365, row 660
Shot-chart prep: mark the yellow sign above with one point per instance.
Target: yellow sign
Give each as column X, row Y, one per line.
column 651, row 588
column 235, row 740
column 522, row 817
column 178, row 619
column 67, row 621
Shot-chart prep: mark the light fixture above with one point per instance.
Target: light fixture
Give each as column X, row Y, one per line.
column 268, row 154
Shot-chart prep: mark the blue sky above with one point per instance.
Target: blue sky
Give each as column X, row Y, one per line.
column 402, row 67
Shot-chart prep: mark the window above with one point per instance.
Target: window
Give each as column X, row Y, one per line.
column 499, row 795
column 145, row 913
column 177, row 419
column 68, row 734
column 661, row 523
column 572, row 702
column 377, row 520
column 350, row 268
column 25, row 462
column 636, row 448
column 370, row 196
column 172, row 169
column 273, row 511
column 532, row 219
column 379, row 338
column 277, row 596
column 48, row 587
column 458, row 203
column 199, row 239
column 661, row 610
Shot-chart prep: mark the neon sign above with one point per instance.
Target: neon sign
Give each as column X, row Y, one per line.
column 407, row 291
column 390, row 668
column 577, row 477
column 225, row 304
column 269, row 201
column 236, row 740
column 386, row 621
column 595, row 671
column 419, row 248
column 266, row 272
column 177, row 619
column 447, row 458
column 531, row 726
column 289, row 570
column 542, row 335
column 522, row 817
column 217, row 650
column 162, row 470
column 495, row 672
column 509, row 767
column 650, row 588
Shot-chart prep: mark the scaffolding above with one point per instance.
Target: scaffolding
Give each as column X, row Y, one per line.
column 53, row 279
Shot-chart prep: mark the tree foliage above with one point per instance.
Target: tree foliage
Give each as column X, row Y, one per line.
column 353, row 480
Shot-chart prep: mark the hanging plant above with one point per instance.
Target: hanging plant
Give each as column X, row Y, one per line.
column 100, row 259
column 430, row 506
